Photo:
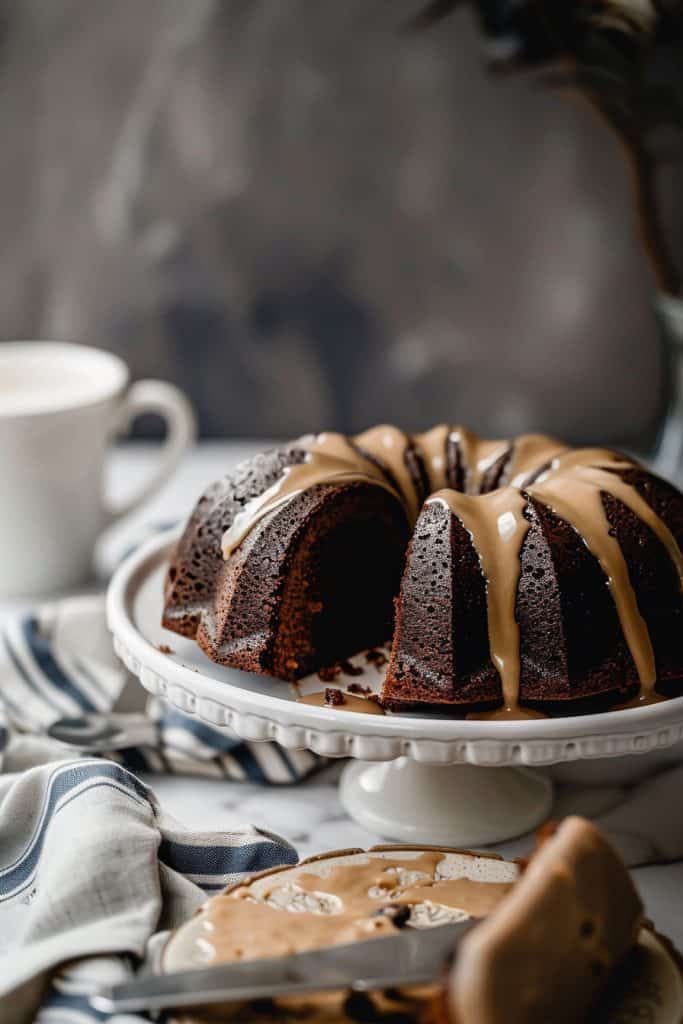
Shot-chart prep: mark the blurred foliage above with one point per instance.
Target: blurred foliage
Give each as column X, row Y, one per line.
column 624, row 56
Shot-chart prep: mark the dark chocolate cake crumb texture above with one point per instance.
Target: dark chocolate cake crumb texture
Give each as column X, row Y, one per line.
column 334, row 698
column 329, row 673
column 364, row 691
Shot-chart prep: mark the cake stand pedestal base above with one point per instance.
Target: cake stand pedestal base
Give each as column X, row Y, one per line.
column 450, row 805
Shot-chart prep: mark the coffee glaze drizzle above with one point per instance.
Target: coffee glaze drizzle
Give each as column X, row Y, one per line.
column 389, row 446
column 478, row 456
column 330, row 459
column 495, row 481
column 433, row 447
column 572, row 487
column 497, row 527
column 376, row 456
column 325, row 905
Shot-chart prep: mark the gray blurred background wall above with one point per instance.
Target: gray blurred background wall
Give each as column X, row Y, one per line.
column 309, row 219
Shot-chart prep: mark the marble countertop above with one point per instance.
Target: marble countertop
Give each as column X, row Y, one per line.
column 310, row 815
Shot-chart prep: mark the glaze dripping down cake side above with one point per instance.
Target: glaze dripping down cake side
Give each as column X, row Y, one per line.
column 511, row 574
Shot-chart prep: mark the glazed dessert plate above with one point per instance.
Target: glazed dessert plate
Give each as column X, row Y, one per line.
column 439, row 885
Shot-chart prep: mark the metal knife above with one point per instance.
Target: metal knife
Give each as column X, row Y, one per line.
column 413, row 957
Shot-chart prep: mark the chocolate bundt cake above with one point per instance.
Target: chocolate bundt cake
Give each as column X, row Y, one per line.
column 511, row 574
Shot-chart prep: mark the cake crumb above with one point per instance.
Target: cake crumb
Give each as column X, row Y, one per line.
column 351, row 670
column 329, row 673
column 364, row 691
column 333, row 697
column 165, row 649
column 376, row 658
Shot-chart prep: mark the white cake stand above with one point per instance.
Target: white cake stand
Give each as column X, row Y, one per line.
column 417, row 778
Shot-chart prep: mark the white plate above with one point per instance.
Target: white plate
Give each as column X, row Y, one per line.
column 653, row 992
column 182, row 953
column 261, row 708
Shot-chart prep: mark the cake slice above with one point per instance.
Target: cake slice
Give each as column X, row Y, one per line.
column 554, row 941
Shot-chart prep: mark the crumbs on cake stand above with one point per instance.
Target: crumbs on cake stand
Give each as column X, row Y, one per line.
column 376, row 657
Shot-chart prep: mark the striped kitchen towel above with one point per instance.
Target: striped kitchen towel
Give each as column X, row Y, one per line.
column 92, row 873
column 59, row 677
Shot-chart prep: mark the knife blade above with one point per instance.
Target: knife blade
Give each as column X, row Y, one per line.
column 413, row 957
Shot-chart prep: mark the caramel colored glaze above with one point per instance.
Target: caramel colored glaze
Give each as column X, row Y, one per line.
column 352, row 883
column 337, row 445
column 641, row 700
column 432, row 447
column 577, row 498
column 572, row 487
column 478, row 455
column 239, row 926
column 529, row 453
column 242, row 929
column 516, row 713
column 598, row 467
column 477, row 899
column 331, row 458
column 498, row 528
column 359, row 705
column 388, row 445
column 324, row 464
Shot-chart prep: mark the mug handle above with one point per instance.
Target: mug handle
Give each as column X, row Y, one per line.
column 169, row 402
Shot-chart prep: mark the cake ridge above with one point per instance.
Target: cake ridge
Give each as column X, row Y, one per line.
column 497, row 526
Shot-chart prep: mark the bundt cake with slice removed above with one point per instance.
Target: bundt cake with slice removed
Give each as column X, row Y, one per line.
column 516, row 577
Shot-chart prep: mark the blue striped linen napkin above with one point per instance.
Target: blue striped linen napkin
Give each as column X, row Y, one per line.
column 91, row 871
column 57, row 663
column 92, row 874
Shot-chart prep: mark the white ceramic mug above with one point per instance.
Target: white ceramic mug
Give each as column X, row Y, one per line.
column 60, row 407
